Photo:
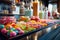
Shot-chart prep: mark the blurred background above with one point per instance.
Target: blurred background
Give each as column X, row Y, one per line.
column 15, row 6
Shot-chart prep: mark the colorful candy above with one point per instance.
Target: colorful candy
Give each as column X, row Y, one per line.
column 1, row 26
column 4, row 31
column 12, row 34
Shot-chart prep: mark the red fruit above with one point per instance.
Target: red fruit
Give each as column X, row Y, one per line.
column 33, row 18
column 37, row 19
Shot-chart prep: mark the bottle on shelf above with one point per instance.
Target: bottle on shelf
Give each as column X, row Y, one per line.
column 41, row 14
column 41, row 11
column 22, row 9
column 49, row 15
column 35, row 8
column 31, row 11
column 5, row 11
column 28, row 10
column 5, row 8
column 46, row 13
column 54, row 14
column 16, row 9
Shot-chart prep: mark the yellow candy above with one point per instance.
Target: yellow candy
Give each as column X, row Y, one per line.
column 33, row 22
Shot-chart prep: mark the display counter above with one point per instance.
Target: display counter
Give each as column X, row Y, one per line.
column 45, row 26
column 25, row 35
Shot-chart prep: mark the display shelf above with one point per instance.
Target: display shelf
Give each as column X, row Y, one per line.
column 11, row 15
column 27, row 34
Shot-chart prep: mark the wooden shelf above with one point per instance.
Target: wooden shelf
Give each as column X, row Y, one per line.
column 11, row 15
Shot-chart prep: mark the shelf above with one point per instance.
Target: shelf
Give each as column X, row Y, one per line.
column 27, row 34
column 11, row 15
